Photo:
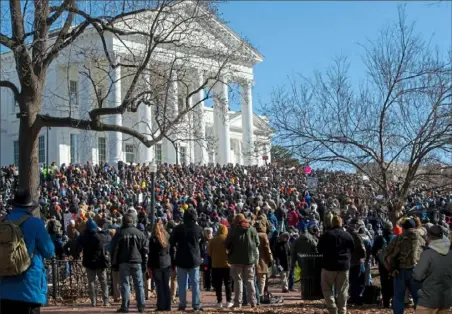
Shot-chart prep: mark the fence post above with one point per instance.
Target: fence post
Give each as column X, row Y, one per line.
column 54, row 278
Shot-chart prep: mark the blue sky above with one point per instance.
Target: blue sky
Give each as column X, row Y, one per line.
column 303, row 36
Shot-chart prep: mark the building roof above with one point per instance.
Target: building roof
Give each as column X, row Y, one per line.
column 217, row 23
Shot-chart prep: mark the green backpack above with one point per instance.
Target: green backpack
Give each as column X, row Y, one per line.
column 382, row 255
column 14, row 258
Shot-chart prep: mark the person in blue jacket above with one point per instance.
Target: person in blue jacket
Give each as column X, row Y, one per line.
column 26, row 292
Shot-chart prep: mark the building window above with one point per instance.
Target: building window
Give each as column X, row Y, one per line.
column 41, row 149
column 183, row 154
column 74, row 149
column 16, row 153
column 181, row 104
column 211, row 155
column 158, row 154
column 130, row 154
column 102, row 150
column 73, row 93
column 13, row 104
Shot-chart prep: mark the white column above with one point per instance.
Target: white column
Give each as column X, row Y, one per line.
column 247, row 123
column 145, row 120
column 86, row 137
column 114, row 100
column 191, row 132
column 201, row 156
column 221, row 111
column 169, row 152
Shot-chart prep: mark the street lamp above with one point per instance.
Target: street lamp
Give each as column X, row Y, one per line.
column 176, row 147
column 153, row 169
column 47, row 154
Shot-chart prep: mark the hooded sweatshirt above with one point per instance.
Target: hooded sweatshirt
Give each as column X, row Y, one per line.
column 93, row 244
column 186, row 238
column 434, row 271
column 216, row 249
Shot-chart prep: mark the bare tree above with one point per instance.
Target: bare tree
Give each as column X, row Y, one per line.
column 160, row 44
column 400, row 117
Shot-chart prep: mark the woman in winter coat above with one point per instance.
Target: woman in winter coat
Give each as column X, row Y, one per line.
column 265, row 257
column 221, row 274
column 159, row 263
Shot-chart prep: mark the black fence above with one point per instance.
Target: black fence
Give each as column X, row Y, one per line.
column 67, row 279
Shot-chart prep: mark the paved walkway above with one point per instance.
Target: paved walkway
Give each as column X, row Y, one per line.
column 208, row 300
column 292, row 305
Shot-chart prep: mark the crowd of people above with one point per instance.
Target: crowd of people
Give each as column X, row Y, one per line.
column 235, row 225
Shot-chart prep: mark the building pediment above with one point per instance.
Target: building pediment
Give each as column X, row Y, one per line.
column 207, row 32
column 260, row 124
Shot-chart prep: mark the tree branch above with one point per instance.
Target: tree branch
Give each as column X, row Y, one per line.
column 7, row 42
column 68, row 122
column 12, row 87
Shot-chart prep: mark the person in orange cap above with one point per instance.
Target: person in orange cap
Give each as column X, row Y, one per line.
column 397, row 230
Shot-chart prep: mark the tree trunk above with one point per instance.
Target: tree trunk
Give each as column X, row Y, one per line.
column 28, row 154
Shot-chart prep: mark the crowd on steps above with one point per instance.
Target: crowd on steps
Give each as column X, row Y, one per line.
column 232, row 227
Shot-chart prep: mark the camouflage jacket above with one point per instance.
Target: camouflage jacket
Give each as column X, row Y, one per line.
column 405, row 250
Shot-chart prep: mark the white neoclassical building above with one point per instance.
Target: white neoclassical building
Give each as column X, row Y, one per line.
column 235, row 137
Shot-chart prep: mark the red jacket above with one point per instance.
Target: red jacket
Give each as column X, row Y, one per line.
column 292, row 218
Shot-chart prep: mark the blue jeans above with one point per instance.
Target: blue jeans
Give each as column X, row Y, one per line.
column 125, row 271
column 367, row 275
column 357, row 283
column 403, row 281
column 245, row 293
column 193, row 276
column 291, row 278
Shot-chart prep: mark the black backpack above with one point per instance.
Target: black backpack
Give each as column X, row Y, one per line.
column 372, row 295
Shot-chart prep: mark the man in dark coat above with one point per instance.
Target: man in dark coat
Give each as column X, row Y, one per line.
column 186, row 238
column 283, row 260
column 378, row 250
column 95, row 259
column 336, row 246
column 130, row 253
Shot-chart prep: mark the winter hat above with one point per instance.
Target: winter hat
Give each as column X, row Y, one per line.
column 92, row 226
column 409, row 224
column 435, row 232
column 387, row 226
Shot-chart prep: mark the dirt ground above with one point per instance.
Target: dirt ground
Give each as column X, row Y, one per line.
column 292, row 304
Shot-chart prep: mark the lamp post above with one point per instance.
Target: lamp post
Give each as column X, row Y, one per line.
column 47, row 154
column 153, row 169
column 176, row 147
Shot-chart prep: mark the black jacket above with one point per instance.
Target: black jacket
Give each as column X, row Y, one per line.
column 282, row 254
column 129, row 246
column 186, row 238
column 336, row 246
column 95, row 254
column 359, row 253
column 158, row 256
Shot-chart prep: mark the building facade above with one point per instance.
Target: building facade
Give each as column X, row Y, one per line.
column 211, row 134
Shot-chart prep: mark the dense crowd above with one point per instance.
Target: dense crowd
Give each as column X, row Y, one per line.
column 236, row 225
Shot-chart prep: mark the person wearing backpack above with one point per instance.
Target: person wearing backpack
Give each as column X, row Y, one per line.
column 96, row 259
column 402, row 255
column 379, row 251
column 23, row 278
